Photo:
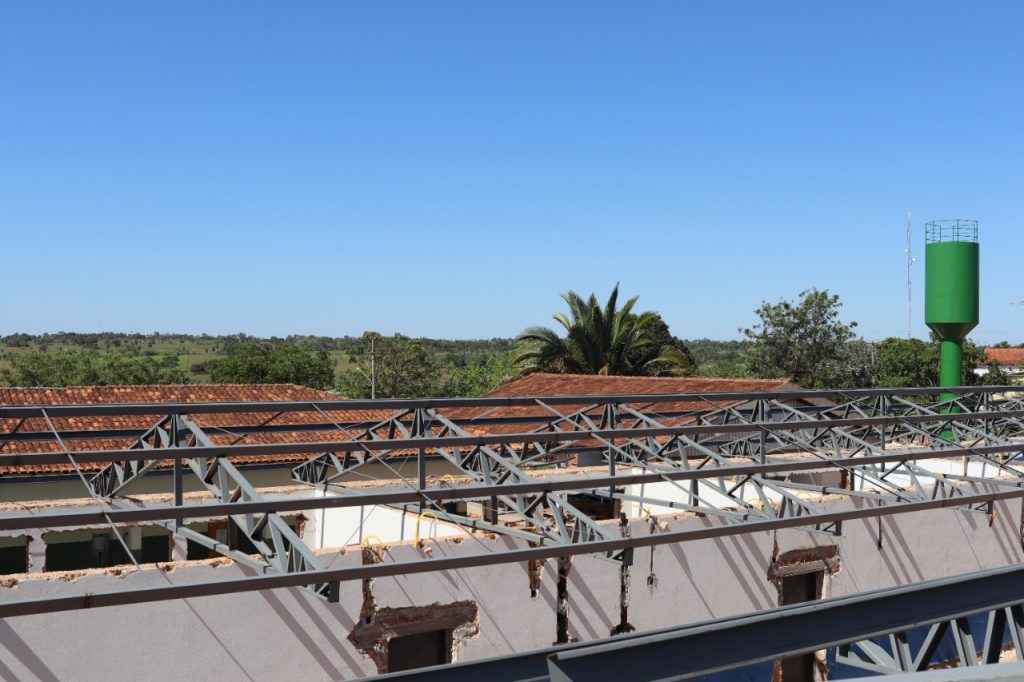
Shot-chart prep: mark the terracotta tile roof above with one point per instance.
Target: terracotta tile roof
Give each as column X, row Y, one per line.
column 1005, row 356
column 532, row 385
column 540, row 384
column 91, row 395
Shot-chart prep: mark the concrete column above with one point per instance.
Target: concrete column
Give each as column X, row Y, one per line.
column 36, row 554
column 179, row 548
column 133, row 537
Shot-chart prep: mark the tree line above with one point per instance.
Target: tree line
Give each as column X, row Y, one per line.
column 805, row 340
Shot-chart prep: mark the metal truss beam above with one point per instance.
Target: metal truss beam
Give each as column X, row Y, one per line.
column 490, row 439
column 280, row 549
column 835, row 441
column 544, row 516
column 699, row 453
column 449, row 493
column 452, row 493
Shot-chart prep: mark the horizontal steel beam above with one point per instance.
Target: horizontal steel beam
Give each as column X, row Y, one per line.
column 267, row 582
column 393, row 404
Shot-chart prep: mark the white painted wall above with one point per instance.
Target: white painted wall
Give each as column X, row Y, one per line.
column 355, row 525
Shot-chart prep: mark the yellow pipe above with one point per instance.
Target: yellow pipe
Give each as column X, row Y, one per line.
column 366, row 541
column 420, row 518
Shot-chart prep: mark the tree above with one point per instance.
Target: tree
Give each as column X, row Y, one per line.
column 479, row 378
column 913, row 362
column 724, row 368
column 251, row 362
column 56, row 369
column 403, row 369
column 858, row 364
column 117, row 368
column 663, row 347
column 803, row 341
column 608, row 340
column 907, row 362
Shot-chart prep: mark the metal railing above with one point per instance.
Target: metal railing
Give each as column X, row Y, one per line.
column 955, row 230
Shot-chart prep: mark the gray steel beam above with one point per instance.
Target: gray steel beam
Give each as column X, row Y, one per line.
column 19, row 411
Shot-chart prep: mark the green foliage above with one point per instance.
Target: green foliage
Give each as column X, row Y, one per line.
column 804, row 341
column 479, row 378
column 995, row 376
column 718, row 358
column 907, row 362
column 457, row 365
column 253, row 362
column 608, row 340
column 403, row 368
column 857, row 365
column 55, row 369
column 450, row 367
column 913, row 362
column 665, row 355
column 724, row 368
column 706, row 351
column 1007, row 344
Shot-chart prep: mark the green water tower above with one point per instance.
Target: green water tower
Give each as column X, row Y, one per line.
column 951, row 290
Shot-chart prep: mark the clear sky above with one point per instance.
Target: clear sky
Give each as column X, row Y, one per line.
column 447, row 168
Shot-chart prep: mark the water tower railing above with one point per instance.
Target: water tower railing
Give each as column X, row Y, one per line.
column 956, row 230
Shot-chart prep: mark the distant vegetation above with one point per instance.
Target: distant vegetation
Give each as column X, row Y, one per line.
column 1006, row 344
column 805, row 340
column 407, row 367
column 81, row 367
column 259, row 362
column 436, row 366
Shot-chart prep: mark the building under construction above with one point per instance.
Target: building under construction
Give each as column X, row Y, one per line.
column 562, row 528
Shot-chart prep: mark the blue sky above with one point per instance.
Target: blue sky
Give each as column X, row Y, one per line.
column 447, row 168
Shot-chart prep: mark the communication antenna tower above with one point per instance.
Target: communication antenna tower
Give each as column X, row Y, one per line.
column 910, row 264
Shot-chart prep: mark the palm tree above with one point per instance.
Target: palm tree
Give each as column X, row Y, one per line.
column 598, row 340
